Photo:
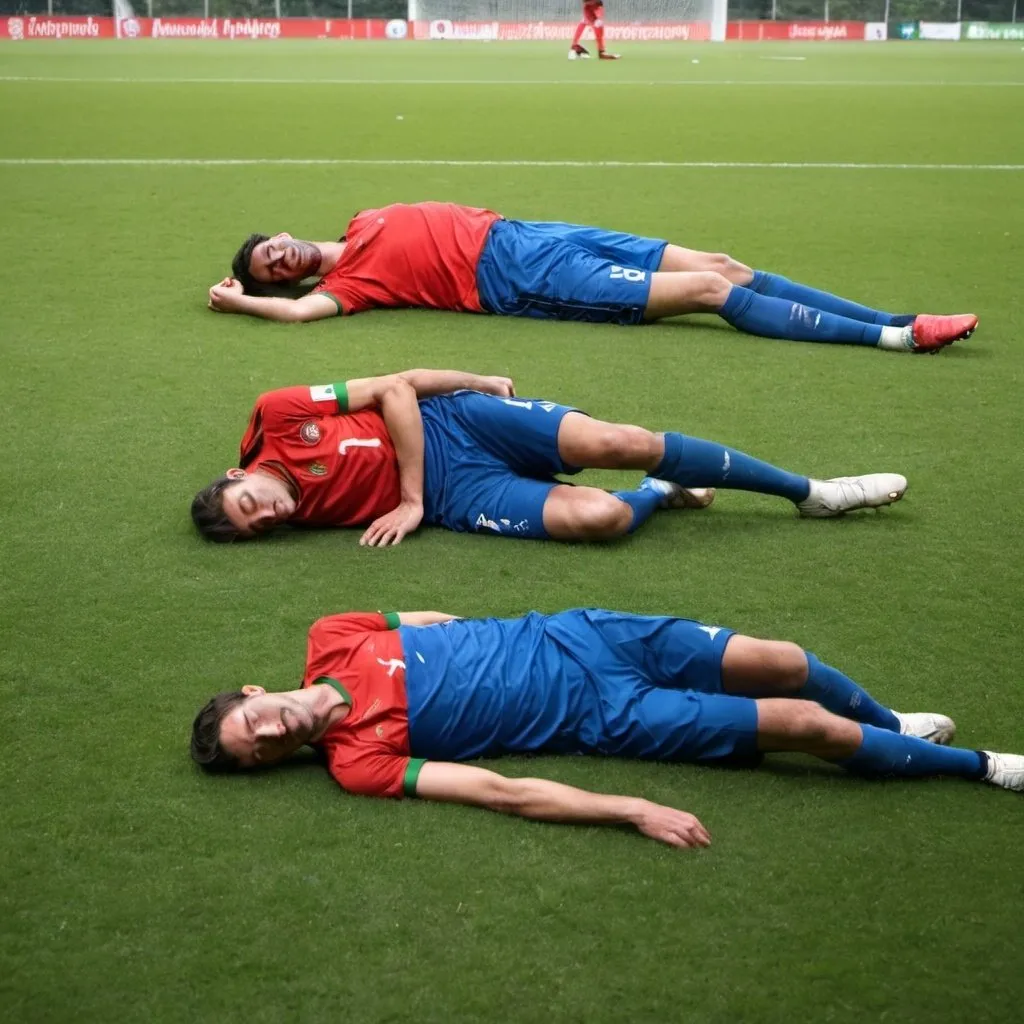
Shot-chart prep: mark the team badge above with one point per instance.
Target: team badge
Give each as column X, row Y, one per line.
column 310, row 432
column 317, row 469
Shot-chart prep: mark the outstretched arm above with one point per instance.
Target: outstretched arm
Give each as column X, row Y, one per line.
column 367, row 391
column 552, row 801
column 229, row 297
column 424, row 618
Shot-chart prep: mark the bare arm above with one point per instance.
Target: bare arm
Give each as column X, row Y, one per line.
column 400, row 410
column 424, row 618
column 552, row 801
column 366, row 392
column 228, row 297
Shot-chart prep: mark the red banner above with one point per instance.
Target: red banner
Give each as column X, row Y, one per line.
column 556, row 31
column 817, row 31
column 33, row 27
column 42, row 27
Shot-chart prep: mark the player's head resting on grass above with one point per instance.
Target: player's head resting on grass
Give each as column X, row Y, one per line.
column 240, row 505
column 266, row 260
column 252, row 728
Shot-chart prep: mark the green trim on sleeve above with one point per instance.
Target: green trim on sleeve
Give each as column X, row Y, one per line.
column 341, row 394
column 412, row 774
column 335, row 685
column 392, row 619
column 335, row 300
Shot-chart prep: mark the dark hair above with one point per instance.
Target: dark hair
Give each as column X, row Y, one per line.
column 206, row 748
column 240, row 265
column 208, row 512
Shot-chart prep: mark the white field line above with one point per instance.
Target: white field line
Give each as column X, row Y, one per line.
column 584, row 83
column 638, row 164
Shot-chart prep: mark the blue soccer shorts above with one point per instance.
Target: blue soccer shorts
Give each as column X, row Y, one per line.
column 491, row 462
column 657, row 687
column 555, row 271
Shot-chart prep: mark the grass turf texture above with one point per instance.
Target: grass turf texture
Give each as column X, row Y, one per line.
column 134, row 888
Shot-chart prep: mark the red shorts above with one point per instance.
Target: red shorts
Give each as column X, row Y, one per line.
column 592, row 13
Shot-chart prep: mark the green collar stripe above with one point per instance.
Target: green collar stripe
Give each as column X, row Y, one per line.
column 334, row 684
column 392, row 619
column 341, row 393
column 412, row 774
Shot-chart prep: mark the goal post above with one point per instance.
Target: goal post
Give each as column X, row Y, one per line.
column 550, row 20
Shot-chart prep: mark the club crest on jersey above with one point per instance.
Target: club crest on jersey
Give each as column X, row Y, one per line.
column 317, row 469
column 310, row 432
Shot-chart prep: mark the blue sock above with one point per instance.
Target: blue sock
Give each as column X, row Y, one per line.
column 887, row 753
column 694, row 462
column 780, row 318
column 782, row 288
column 842, row 696
column 644, row 502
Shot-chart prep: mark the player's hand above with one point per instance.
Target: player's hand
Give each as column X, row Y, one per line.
column 667, row 825
column 390, row 529
column 224, row 296
column 500, row 386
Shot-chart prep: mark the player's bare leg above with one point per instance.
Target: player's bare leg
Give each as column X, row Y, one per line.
column 678, row 258
column 691, row 462
column 585, row 514
column 896, row 331
column 778, row 668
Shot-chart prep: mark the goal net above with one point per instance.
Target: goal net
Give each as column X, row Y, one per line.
column 550, row 20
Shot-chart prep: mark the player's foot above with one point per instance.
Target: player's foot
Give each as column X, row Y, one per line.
column 926, row 726
column 605, row 55
column 579, row 53
column 1006, row 770
column 676, row 496
column 930, row 333
column 847, row 493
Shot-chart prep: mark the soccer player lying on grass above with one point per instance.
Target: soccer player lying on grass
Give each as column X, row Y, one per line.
column 444, row 256
column 399, row 450
column 394, row 701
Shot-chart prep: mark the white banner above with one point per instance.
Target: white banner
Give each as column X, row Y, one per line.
column 876, row 31
column 945, row 30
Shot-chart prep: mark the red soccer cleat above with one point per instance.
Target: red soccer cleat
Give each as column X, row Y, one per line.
column 605, row 55
column 934, row 332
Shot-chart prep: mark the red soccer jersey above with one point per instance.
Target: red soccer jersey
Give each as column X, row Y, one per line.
column 343, row 465
column 360, row 656
column 423, row 254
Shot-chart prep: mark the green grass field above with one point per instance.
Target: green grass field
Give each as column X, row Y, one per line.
column 135, row 889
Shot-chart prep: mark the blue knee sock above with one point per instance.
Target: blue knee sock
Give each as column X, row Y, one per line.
column 887, row 753
column 782, row 288
column 842, row 696
column 644, row 502
column 694, row 462
column 781, row 318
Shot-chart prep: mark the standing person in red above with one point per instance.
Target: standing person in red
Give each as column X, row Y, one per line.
column 593, row 15
column 468, row 260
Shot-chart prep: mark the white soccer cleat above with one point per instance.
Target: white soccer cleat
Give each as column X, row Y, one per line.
column 674, row 495
column 573, row 55
column 1006, row 770
column 847, row 493
column 926, row 726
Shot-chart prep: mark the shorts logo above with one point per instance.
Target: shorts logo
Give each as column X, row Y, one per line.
column 310, row 433
column 501, row 525
column 712, row 631
column 628, row 274
column 317, row 469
